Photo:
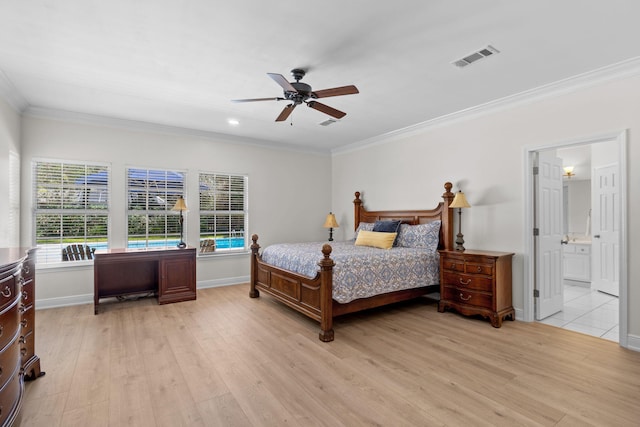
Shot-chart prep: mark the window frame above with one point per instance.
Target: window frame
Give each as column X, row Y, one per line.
column 49, row 255
column 170, row 216
column 202, row 213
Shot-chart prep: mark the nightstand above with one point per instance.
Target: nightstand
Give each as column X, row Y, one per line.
column 477, row 282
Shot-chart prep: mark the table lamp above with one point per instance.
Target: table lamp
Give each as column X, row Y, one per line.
column 181, row 206
column 460, row 202
column 331, row 223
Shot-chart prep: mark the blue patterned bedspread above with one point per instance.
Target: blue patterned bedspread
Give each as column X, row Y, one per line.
column 360, row 271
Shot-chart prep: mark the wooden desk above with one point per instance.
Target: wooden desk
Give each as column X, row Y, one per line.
column 170, row 273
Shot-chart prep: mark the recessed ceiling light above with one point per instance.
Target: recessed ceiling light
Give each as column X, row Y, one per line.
column 233, row 122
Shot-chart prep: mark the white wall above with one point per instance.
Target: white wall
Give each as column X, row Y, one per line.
column 9, row 151
column 483, row 155
column 579, row 205
column 289, row 192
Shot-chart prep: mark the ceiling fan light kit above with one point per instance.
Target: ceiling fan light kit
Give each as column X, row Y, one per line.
column 298, row 93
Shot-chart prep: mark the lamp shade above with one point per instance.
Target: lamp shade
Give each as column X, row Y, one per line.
column 331, row 222
column 180, row 205
column 460, row 201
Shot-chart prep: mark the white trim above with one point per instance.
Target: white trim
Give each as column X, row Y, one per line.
column 11, row 94
column 621, row 139
column 140, row 126
column 42, row 304
column 227, row 281
column 633, row 342
column 620, row 70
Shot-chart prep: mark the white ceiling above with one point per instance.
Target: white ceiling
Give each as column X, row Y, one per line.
column 179, row 63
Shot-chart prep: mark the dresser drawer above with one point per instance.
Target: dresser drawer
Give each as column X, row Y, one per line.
column 477, row 299
column 27, row 343
column 8, row 290
column 9, row 319
column 9, row 396
column 468, row 281
column 9, row 359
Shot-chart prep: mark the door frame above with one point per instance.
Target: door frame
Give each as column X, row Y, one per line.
column 620, row 138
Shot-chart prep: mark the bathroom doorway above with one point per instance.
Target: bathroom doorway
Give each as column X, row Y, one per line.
column 585, row 309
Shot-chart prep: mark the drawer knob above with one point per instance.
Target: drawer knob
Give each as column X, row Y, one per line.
column 22, row 339
column 23, row 323
column 479, row 269
column 464, row 282
column 25, row 295
column 463, row 298
column 6, row 292
column 453, row 265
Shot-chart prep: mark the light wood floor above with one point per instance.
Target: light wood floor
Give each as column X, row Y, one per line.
column 228, row 360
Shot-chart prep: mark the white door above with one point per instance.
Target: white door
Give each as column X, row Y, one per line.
column 605, row 242
column 548, row 218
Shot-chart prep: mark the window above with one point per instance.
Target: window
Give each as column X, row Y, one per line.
column 71, row 207
column 151, row 194
column 223, row 212
column 13, row 223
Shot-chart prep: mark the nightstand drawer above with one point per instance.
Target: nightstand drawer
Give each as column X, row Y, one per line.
column 479, row 268
column 471, row 267
column 478, row 299
column 468, row 281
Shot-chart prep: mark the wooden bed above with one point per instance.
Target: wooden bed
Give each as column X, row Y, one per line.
column 313, row 297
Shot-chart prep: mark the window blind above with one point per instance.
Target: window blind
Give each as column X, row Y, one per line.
column 151, row 194
column 71, row 204
column 223, row 210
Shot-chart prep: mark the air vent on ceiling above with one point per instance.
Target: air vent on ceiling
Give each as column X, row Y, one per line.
column 475, row 56
column 328, row 122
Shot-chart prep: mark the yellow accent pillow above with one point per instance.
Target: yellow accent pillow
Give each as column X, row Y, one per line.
column 376, row 239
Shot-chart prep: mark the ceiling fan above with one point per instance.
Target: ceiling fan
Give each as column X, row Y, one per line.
column 299, row 93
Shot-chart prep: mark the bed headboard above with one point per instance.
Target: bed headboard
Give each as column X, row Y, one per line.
column 440, row 212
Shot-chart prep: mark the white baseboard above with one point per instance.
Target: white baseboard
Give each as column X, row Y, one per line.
column 63, row 301
column 88, row 298
column 633, row 342
column 227, row 281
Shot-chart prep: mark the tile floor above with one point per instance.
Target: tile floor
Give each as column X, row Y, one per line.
column 589, row 312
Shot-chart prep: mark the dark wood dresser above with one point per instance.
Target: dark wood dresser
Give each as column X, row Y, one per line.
column 18, row 361
column 477, row 283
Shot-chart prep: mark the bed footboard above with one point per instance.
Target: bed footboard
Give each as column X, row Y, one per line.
column 311, row 297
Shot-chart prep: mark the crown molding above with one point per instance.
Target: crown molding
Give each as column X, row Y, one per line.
column 141, row 126
column 9, row 93
column 620, row 70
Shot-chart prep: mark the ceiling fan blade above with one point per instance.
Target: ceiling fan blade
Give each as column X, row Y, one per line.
column 285, row 113
column 258, row 99
column 279, row 78
column 326, row 109
column 336, row 91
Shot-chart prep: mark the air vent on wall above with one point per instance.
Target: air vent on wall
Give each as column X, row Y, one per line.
column 328, row 122
column 475, row 56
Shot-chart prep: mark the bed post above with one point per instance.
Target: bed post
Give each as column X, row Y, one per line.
column 357, row 205
column 326, row 294
column 447, row 217
column 253, row 292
